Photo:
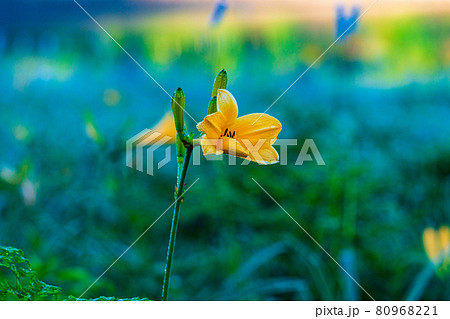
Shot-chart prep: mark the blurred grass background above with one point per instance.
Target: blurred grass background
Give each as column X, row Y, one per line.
column 376, row 105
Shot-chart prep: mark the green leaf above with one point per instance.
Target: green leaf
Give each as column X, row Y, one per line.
column 26, row 285
column 103, row 298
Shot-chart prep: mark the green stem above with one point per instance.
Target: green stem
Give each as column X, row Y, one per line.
column 176, row 215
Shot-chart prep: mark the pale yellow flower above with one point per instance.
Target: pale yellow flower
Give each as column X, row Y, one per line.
column 437, row 244
column 250, row 136
column 166, row 126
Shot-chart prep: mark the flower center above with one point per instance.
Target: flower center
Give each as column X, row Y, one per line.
column 228, row 133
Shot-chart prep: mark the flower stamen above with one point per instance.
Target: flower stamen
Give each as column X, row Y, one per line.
column 228, row 133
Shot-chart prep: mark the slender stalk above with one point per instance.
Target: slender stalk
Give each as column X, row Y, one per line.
column 182, row 170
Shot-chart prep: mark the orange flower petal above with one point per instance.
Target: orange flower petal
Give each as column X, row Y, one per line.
column 227, row 105
column 266, row 127
column 209, row 146
column 212, row 125
column 265, row 155
column 233, row 147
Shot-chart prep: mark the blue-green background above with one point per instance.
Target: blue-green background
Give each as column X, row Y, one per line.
column 376, row 105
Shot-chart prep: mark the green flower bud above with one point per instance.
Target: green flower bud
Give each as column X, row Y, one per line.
column 180, row 150
column 220, row 82
column 178, row 110
column 212, row 107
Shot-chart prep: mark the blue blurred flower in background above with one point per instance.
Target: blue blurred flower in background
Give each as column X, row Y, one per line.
column 218, row 12
column 344, row 22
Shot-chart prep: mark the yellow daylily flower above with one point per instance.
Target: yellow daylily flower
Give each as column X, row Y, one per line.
column 166, row 126
column 239, row 136
column 437, row 244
